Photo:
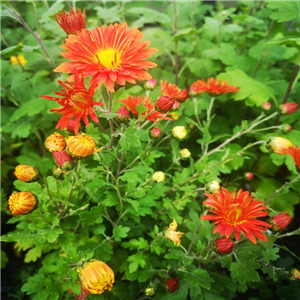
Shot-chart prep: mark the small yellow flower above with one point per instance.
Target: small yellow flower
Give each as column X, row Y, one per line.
column 27, row 173
column 278, row 145
column 55, row 142
column 173, row 235
column 174, row 116
column 21, row 203
column 16, row 60
column 185, row 153
column 96, row 277
column 158, row 176
column 178, row 132
column 212, row 187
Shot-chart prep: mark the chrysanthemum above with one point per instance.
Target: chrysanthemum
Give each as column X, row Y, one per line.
column 295, row 154
column 71, row 22
column 111, row 54
column 172, row 234
column 213, row 86
column 236, row 212
column 131, row 102
column 173, row 91
column 77, row 102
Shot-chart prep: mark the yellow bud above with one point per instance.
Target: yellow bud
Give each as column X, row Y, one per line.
column 178, row 132
column 158, row 176
column 185, row 153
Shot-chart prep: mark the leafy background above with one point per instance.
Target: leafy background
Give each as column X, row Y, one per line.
column 252, row 44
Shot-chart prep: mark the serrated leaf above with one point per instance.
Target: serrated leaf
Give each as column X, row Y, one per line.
column 199, row 278
column 270, row 254
column 136, row 260
column 120, row 232
column 286, row 10
column 93, row 216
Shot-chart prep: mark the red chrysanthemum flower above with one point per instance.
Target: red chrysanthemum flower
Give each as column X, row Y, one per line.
column 173, row 91
column 72, row 22
column 77, row 102
column 295, row 154
column 236, row 212
column 213, row 86
column 131, row 102
column 111, row 54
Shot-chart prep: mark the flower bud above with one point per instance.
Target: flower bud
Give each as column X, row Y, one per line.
column 150, row 85
column 164, row 103
column 63, row 159
column 294, row 274
column 288, row 108
column 175, row 105
column 212, row 186
column 185, row 153
column 191, row 126
column 124, row 114
column 285, row 128
column 266, row 106
column 155, row 133
column 96, row 277
column 178, row 132
column 70, row 128
column 280, row 221
column 158, row 176
column 27, row 173
column 278, row 145
column 174, row 116
column 22, row 203
column 248, row 176
column 81, row 146
column 172, row 284
column 55, row 142
column 58, row 173
column 223, row 246
column 192, row 92
column 150, row 291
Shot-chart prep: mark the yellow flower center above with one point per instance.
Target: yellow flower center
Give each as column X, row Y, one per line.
column 234, row 214
column 109, row 58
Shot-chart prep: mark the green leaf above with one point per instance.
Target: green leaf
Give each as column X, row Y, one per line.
column 270, row 254
column 251, row 90
column 120, row 232
column 4, row 259
column 93, row 216
column 182, row 33
column 136, row 260
column 178, row 255
column 199, row 278
column 119, row 93
column 128, row 140
column 33, row 254
column 286, row 10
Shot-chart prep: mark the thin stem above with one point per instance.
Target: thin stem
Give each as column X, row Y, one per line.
column 295, row 232
column 196, row 114
column 209, row 110
column 49, row 194
column 176, row 42
column 42, row 216
column 111, row 124
column 282, row 188
column 70, row 194
column 193, row 239
column 36, row 20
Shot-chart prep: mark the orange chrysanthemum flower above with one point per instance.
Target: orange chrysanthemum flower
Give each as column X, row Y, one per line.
column 131, row 102
column 111, row 54
column 295, row 154
column 72, row 22
column 22, row 203
column 173, row 91
column 213, row 86
column 237, row 212
column 77, row 102
column 27, row 173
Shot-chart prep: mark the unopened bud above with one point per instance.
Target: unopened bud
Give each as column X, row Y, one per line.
column 278, row 145
column 288, row 108
column 248, row 176
column 192, row 92
column 185, row 153
column 285, row 128
column 212, row 186
column 178, row 132
column 70, row 128
column 55, row 142
column 294, row 274
column 158, row 176
column 172, row 285
column 58, row 173
column 280, row 221
column 63, row 159
column 27, row 173
column 164, row 103
column 175, row 105
column 150, row 85
column 174, row 116
column 266, row 106
column 155, row 133
column 223, row 246
column 150, row 291
column 124, row 114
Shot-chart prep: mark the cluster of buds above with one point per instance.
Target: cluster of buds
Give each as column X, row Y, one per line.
column 22, row 203
column 178, row 132
column 223, row 246
column 158, row 176
column 288, row 108
column 172, row 234
column 280, row 221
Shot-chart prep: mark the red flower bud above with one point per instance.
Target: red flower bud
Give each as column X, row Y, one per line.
column 223, row 246
column 155, row 133
column 175, row 105
column 266, row 106
column 63, row 159
column 150, row 85
column 248, row 176
column 164, row 103
column 192, row 92
column 70, row 128
column 288, row 108
column 124, row 114
column 172, row 284
column 280, row 221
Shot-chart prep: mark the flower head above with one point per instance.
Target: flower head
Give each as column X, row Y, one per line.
column 173, row 91
column 150, row 85
column 63, row 159
column 164, row 103
column 278, row 145
column 151, row 115
column 288, row 108
column 248, row 176
column 150, row 291
column 266, row 106
column 81, row 146
column 96, row 277
column 27, row 173
column 213, row 86
column 76, row 102
column 223, row 246
column 185, row 153
column 172, row 284
column 18, row 60
column 158, row 176
column 22, row 203
column 124, row 114
column 178, row 132
column 55, row 142
column 111, row 54
column 280, row 221
column 155, row 133
column 173, row 235
column 295, row 154
column 72, row 21
column 236, row 212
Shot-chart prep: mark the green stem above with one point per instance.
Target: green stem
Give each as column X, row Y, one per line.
column 193, row 239
column 42, row 216
column 196, row 114
column 209, row 110
column 295, row 232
